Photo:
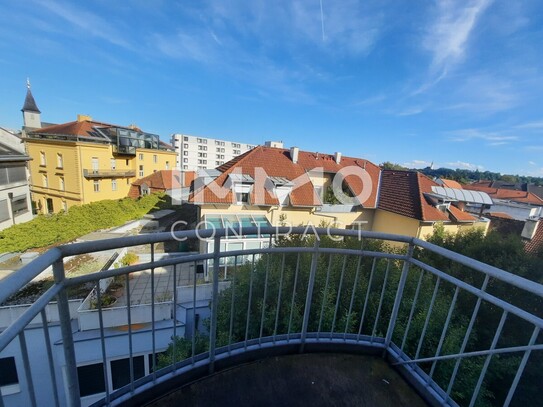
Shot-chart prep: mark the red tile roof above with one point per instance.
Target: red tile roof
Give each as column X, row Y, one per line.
column 276, row 162
column 536, row 243
column 161, row 180
column 449, row 183
column 402, row 192
column 507, row 194
column 82, row 128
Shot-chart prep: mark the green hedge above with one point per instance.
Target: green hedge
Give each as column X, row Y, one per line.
column 79, row 220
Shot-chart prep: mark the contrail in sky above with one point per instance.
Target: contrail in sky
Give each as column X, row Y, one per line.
column 322, row 22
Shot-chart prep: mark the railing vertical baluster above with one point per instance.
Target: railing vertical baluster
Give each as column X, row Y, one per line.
column 102, row 339
column 193, row 344
column 249, row 300
column 50, row 357
column 324, row 295
column 26, row 363
column 279, row 297
column 153, row 333
column 413, row 306
column 353, row 294
column 399, row 295
column 466, row 337
column 214, row 304
column 309, row 296
column 427, row 319
column 443, row 333
column 368, row 290
column 232, row 301
column 72, row 383
column 264, row 298
column 293, row 297
column 521, row 367
column 129, row 320
column 340, row 286
column 487, row 360
column 385, row 279
column 174, row 315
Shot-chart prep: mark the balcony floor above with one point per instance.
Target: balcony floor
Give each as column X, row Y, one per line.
column 308, row 379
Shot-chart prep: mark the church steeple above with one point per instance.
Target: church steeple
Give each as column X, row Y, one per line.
column 31, row 113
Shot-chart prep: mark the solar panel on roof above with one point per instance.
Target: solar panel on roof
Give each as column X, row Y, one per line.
column 476, row 197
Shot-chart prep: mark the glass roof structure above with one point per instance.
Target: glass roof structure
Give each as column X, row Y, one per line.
column 234, row 221
column 463, row 195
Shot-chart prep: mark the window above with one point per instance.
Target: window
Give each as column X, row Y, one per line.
column 185, row 167
column 204, row 155
column 95, row 164
column 242, row 197
column 127, row 181
column 202, row 148
column 141, row 170
column 167, row 165
column 64, row 206
column 236, row 145
column 127, row 161
column 185, row 138
column 60, row 161
column 185, row 160
column 218, row 150
column 12, row 173
column 113, row 184
column 185, row 153
column 120, row 371
column 96, row 185
column 202, row 161
column 45, row 181
column 217, row 143
column 141, row 157
column 113, row 163
column 185, row 146
column 217, row 163
column 155, row 158
column 9, row 379
column 43, row 161
column 237, row 152
column 61, row 183
column 199, row 140
column 91, row 379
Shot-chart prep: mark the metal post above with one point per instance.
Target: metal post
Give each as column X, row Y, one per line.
column 399, row 294
column 309, row 296
column 214, row 305
column 72, row 383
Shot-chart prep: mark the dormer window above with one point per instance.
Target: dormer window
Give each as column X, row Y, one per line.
column 241, row 185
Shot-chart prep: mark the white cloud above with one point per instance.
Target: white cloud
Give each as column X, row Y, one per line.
column 448, row 35
column 465, row 166
column 531, row 125
column 417, row 164
column 493, row 138
column 88, row 22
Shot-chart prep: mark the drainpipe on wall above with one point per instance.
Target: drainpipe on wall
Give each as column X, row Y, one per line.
column 314, row 212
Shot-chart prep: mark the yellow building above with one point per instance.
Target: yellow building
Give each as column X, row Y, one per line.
column 86, row 161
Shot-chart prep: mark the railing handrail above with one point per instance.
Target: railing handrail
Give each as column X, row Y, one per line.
column 16, row 281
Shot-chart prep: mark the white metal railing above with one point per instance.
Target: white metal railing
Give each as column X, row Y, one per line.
column 358, row 294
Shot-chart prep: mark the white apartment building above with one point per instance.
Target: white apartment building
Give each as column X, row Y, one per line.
column 196, row 153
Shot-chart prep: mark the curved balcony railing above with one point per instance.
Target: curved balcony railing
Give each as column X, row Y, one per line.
column 442, row 319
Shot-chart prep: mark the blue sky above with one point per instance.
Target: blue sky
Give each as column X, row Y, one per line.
column 457, row 83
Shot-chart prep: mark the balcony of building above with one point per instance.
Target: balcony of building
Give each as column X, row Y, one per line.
column 91, row 173
column 339, row 317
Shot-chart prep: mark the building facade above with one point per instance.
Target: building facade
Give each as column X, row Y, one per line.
column 86, row 161
column 197, row 153
column 15, row 203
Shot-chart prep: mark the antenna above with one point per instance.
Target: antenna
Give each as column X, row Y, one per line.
column 28, row 83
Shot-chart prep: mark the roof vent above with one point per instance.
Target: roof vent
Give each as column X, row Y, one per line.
column 294, row 154
column 338, row 157
column 84, row 118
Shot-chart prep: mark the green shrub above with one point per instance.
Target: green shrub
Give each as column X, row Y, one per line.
column 47, row 230
column 129, row 259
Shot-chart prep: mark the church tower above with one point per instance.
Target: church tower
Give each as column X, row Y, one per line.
column 31, row 113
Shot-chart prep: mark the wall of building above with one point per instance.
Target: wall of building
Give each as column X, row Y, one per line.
column 78, row 157
column 194, row 153
column 389, row 222
column 296, row 216
column 19, row 189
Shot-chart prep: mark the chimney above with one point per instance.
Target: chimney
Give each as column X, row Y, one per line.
column 83, row 118
column 530, row 227
column 338, row 157
column 294, row 154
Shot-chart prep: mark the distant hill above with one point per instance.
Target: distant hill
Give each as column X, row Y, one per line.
column 468, row 176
